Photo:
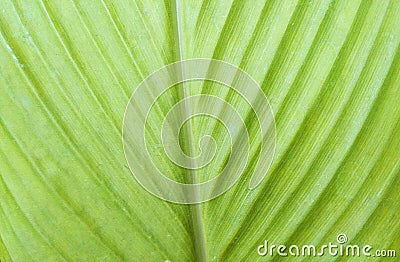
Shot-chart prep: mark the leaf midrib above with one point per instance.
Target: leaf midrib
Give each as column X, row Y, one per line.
column 196, row 219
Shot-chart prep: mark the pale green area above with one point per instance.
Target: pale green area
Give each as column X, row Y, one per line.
column 331, row 70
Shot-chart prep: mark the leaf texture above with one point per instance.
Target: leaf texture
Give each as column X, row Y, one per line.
column 330, row 69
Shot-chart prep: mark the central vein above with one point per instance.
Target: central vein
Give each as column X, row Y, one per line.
column 196, row 219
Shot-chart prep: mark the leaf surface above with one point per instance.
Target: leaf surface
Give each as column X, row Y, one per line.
column 331, row 72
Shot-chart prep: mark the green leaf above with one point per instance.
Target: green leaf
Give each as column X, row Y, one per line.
column 331, row 72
